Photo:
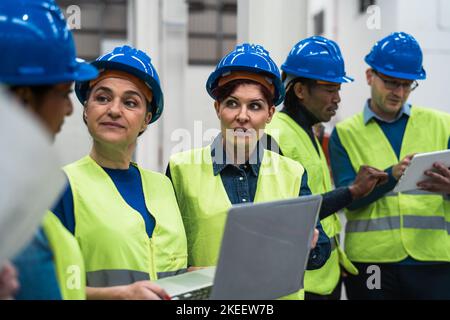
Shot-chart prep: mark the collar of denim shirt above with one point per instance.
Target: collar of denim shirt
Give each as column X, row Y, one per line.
column 220, row 160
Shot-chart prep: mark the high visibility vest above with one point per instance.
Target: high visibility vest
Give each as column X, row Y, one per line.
column 204, row 202
column 399, row 224
column 68, row 259
column 112, row 235
column 295, row 143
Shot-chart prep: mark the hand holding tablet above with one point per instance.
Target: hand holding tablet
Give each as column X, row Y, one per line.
column 422, row 169
column 439, row 179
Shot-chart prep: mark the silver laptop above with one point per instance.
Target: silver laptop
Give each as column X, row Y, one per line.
column 264, row 253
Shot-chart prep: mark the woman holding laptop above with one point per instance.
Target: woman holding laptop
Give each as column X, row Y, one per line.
column 238, row 166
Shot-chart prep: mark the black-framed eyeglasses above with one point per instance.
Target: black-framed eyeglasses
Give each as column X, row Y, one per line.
column 394, row 85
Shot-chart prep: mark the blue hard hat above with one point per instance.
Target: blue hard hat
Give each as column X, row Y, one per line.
column 36, row 46
column 398, row 55
column 132, row 61
column 251, row 58
column 316, row 58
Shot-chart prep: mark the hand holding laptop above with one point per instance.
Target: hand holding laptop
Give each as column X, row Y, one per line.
column 145, row 290
column 315, row 238
column 190, row 269
column 139, row 290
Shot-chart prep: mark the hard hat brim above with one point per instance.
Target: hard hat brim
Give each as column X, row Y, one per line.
column 297, row 74
column 212, row 81
column 401, row 75
column 82, row 71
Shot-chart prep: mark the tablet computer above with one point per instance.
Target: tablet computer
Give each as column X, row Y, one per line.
column 421, row 162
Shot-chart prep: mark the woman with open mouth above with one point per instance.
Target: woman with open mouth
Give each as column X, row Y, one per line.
column 238, row 167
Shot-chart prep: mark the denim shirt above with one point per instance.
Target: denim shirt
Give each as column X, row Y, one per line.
column 240, row 183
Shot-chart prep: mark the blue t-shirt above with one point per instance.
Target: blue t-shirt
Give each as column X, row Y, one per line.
column 129, row 184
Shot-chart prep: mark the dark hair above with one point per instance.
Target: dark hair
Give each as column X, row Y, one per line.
column 291, row 101
column 38, row 91
column 223, row 92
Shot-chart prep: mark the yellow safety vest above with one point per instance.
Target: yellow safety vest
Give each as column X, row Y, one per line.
column 295, row 143
column 68, row 259
column 204, row 202
column 112, row 235
column 399, row 224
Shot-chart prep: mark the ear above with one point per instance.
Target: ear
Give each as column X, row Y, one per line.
column 84, row 113
column 271, row 113
column 217, row 108
column 26, row 97
column 369, row 76
column 148, row 118
column 299, row 90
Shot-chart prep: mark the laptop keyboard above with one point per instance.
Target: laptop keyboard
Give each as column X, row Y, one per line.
column 199, row 294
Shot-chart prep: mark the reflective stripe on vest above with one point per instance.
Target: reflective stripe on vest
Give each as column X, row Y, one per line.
column 404, row 224
column 68, row 259
column 112, row 235
column 204, row 202
column 391, row 223
column 296, row 144
column 111, row 278
column 333, row 243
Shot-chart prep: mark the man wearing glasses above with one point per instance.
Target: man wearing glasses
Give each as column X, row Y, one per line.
column 400, row 243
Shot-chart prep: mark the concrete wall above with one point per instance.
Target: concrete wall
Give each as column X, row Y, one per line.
column 200, row 117
column 145, row 33
column 277, row 25
column 430, row 25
